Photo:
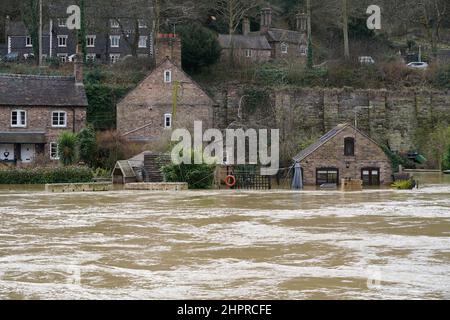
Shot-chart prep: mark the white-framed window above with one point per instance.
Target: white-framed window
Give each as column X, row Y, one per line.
column 115, row 41
column 62, row 41
column 142, row 23
column 18, row 118
column 90, row 41
column 114, row 23
column 90, row 57
column 284, row 47
column 143, row 41
column 62, row 22
column 59, row 119
column 54, row 151
column 167, row 76
column 168, row 120
column 28, row 41
column 248, row 53
column 62, row 57
column 303, row 50
column 114, row 57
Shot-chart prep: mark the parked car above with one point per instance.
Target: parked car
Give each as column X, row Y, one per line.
column 10, row 57
column 417, row 65
column 366, row 60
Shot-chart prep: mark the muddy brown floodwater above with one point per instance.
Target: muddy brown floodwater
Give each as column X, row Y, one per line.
column 225, row 244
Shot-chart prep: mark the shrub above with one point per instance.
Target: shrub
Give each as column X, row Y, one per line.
column 67, row 148
column 397, row 159
column 87, row 145
column 41, row 175
column 442, row 79
column 403, row 184
column 198, row 176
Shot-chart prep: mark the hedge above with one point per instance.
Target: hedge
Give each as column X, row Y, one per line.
column 46, row 175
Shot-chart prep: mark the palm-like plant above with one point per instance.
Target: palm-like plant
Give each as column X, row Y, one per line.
column 67, row 148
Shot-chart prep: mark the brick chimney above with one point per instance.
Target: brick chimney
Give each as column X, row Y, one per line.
column 168, row 46
column 266, row 19
column 78, row 67
column 245, row 26
column 301, row 22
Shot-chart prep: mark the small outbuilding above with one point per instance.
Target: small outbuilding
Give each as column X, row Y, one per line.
column 345, row 153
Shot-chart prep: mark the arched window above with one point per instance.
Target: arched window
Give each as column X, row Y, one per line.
column 349, row 147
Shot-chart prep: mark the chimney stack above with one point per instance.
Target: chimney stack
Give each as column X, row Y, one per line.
column 246, row 27
column 168, row 46
column 266, row 19
column 301, row 22
column 78, row 67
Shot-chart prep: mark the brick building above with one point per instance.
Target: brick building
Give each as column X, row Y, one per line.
column 268, row 43
column 34, row 110
column 165, row 99
column 345, row 152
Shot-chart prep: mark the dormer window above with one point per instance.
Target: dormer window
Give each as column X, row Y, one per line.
column 284, row 47
column 18, row 118
column 349, row 147
column 114, row 23
column 62, row 22
column 142, row 24
column 167, row 76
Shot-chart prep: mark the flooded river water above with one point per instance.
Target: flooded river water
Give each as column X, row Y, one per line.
column 225, row 244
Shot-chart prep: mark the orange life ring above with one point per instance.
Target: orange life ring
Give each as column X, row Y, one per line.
column 230, row 181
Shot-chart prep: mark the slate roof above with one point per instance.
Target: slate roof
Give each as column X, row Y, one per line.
column 282, row 35
column 17, row 28
column 256, row 42
column 32, row 90
column 324, row 139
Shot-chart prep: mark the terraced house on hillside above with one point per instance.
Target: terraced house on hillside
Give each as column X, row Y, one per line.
column 34, row 110
column 109, row 37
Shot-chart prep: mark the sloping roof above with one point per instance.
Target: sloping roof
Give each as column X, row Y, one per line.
column 22, row 137
column 17, row 28
column 256, row 42
column 31, row 90
column 283, row 35
column 324, row 139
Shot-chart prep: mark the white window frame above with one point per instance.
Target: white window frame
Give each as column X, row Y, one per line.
column 28, row 41
column 63, row 57
column 111, row 41
column 93, row 38
column 91, row 57
column 284, row 47
column 51, row 149
column 303, row 50
column 143, row 41
column 167, row 76
column 114, row 23
column 62, row 23
column 59, row 114
column 142, row 24
column 61, row 37
column 19, row 119
column 167, row 116
column 248, row 53
column 114, row 57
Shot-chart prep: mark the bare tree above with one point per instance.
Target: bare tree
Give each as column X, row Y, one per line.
column 233, row 11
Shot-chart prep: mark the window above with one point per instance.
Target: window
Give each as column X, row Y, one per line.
column 90, row 57
column 62, row 22
column 168, row 120
column 284, row 48
column 349, row 147
column 115, row 41
column 248, row 53
column 18, row 118
column 142, row 24
column 114, row 57
column 54, row 151
column 62, row 57
column 303, row 50
column 62, row 41
column 143, row 41
column 370, row 176
column 327, row 175
column 59, row 119
column 114, row 23
column 28, row 41
column 90, row 41
column 167, row 76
